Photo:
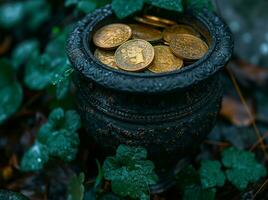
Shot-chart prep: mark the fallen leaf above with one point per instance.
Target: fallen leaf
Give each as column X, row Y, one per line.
column 234, row 111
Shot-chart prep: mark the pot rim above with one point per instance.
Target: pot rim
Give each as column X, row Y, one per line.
column 83, row 60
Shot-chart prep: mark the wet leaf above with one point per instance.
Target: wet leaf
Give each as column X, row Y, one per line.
column 11, row 93
column 129, row 172
column 211, row 174
column 234, row 111
column 9, row 195
column 175, row 5
column 32, row 12
column 76, row 187
column 199, row 4
column 11, row 14
column 123, row 9
column 63, row 144
column 248, row 75
column 242, row 167
column 188, row 181
column 23, row 51
column 35, row 158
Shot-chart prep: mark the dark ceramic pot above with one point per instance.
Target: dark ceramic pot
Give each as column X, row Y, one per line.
column 169, row 114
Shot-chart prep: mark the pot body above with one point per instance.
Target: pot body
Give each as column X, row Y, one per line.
column 170, row 126
column 169, row 114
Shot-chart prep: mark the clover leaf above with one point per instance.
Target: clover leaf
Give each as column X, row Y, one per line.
column 56, row 138
column 199, row 4
column 86, row 6
column 188, row 181
column 211, row 174
column 11, row 93
column 129, row 172
column 30, row 13
column 35, row 158
column 198, row 193
column 123, row 9
column 76, row 188
column 175, row 5
column 63, row 144
column 23, row 51
column 42, row 68
column 242, row 167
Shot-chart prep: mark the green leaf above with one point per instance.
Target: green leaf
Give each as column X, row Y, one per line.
column 10, row 195
column 41, row 69
column 197, row 193
column 188, row 181
column 199, row 4
column 23, row 51
column 242, row 167
column 70, row 2
column 63, row 144
column 123, row 9
column 87, row 6
column 38, row 74
column 59, row 134
column 188, row 177
column 129, row 172
column 90, row 194
column 175, row 5
column 11, row 14
column 35, row 158
column 11, row 93
column 100, row 175
column 76, row 187
column 211, row 174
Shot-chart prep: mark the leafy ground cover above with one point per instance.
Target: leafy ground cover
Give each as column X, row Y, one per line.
column 45, row 152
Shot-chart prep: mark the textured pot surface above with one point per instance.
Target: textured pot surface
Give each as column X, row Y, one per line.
column 169, row 114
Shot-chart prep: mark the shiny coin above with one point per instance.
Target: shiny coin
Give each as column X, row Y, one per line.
column 161, row 20
column 134, row 55
column 145, row 33
column 112, row 36
column 188, row 47
column 106, row 57
column 164, row 60
column 169, row 32
column 150, row 22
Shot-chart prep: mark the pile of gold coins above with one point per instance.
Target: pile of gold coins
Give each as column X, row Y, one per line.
column 155, row 44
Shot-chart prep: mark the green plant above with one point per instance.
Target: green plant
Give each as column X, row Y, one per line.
column 130, row 173
column 56, row 138
column 11, row 93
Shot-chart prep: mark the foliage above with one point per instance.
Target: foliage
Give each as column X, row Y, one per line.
column 242, row 167
column 76, row 188
column 10, row 91
column 211, row 174
column 123, row 9
column 189, row 183
column 129, row 172
column 32, row 12
column 86, row 6
column 56, row 138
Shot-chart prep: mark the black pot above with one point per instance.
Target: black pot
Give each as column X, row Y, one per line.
column 169, row 114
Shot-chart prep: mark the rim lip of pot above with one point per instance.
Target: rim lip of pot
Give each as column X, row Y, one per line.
column 83, row 60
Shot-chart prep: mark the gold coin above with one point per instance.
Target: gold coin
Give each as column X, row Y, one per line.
column 150, row 22
column 169, row 32
column 112, row 36
column 159, row 19
column 164, row 60
column 106, row 57
column 145, row 33
column 134, row 55
column 188, row 47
